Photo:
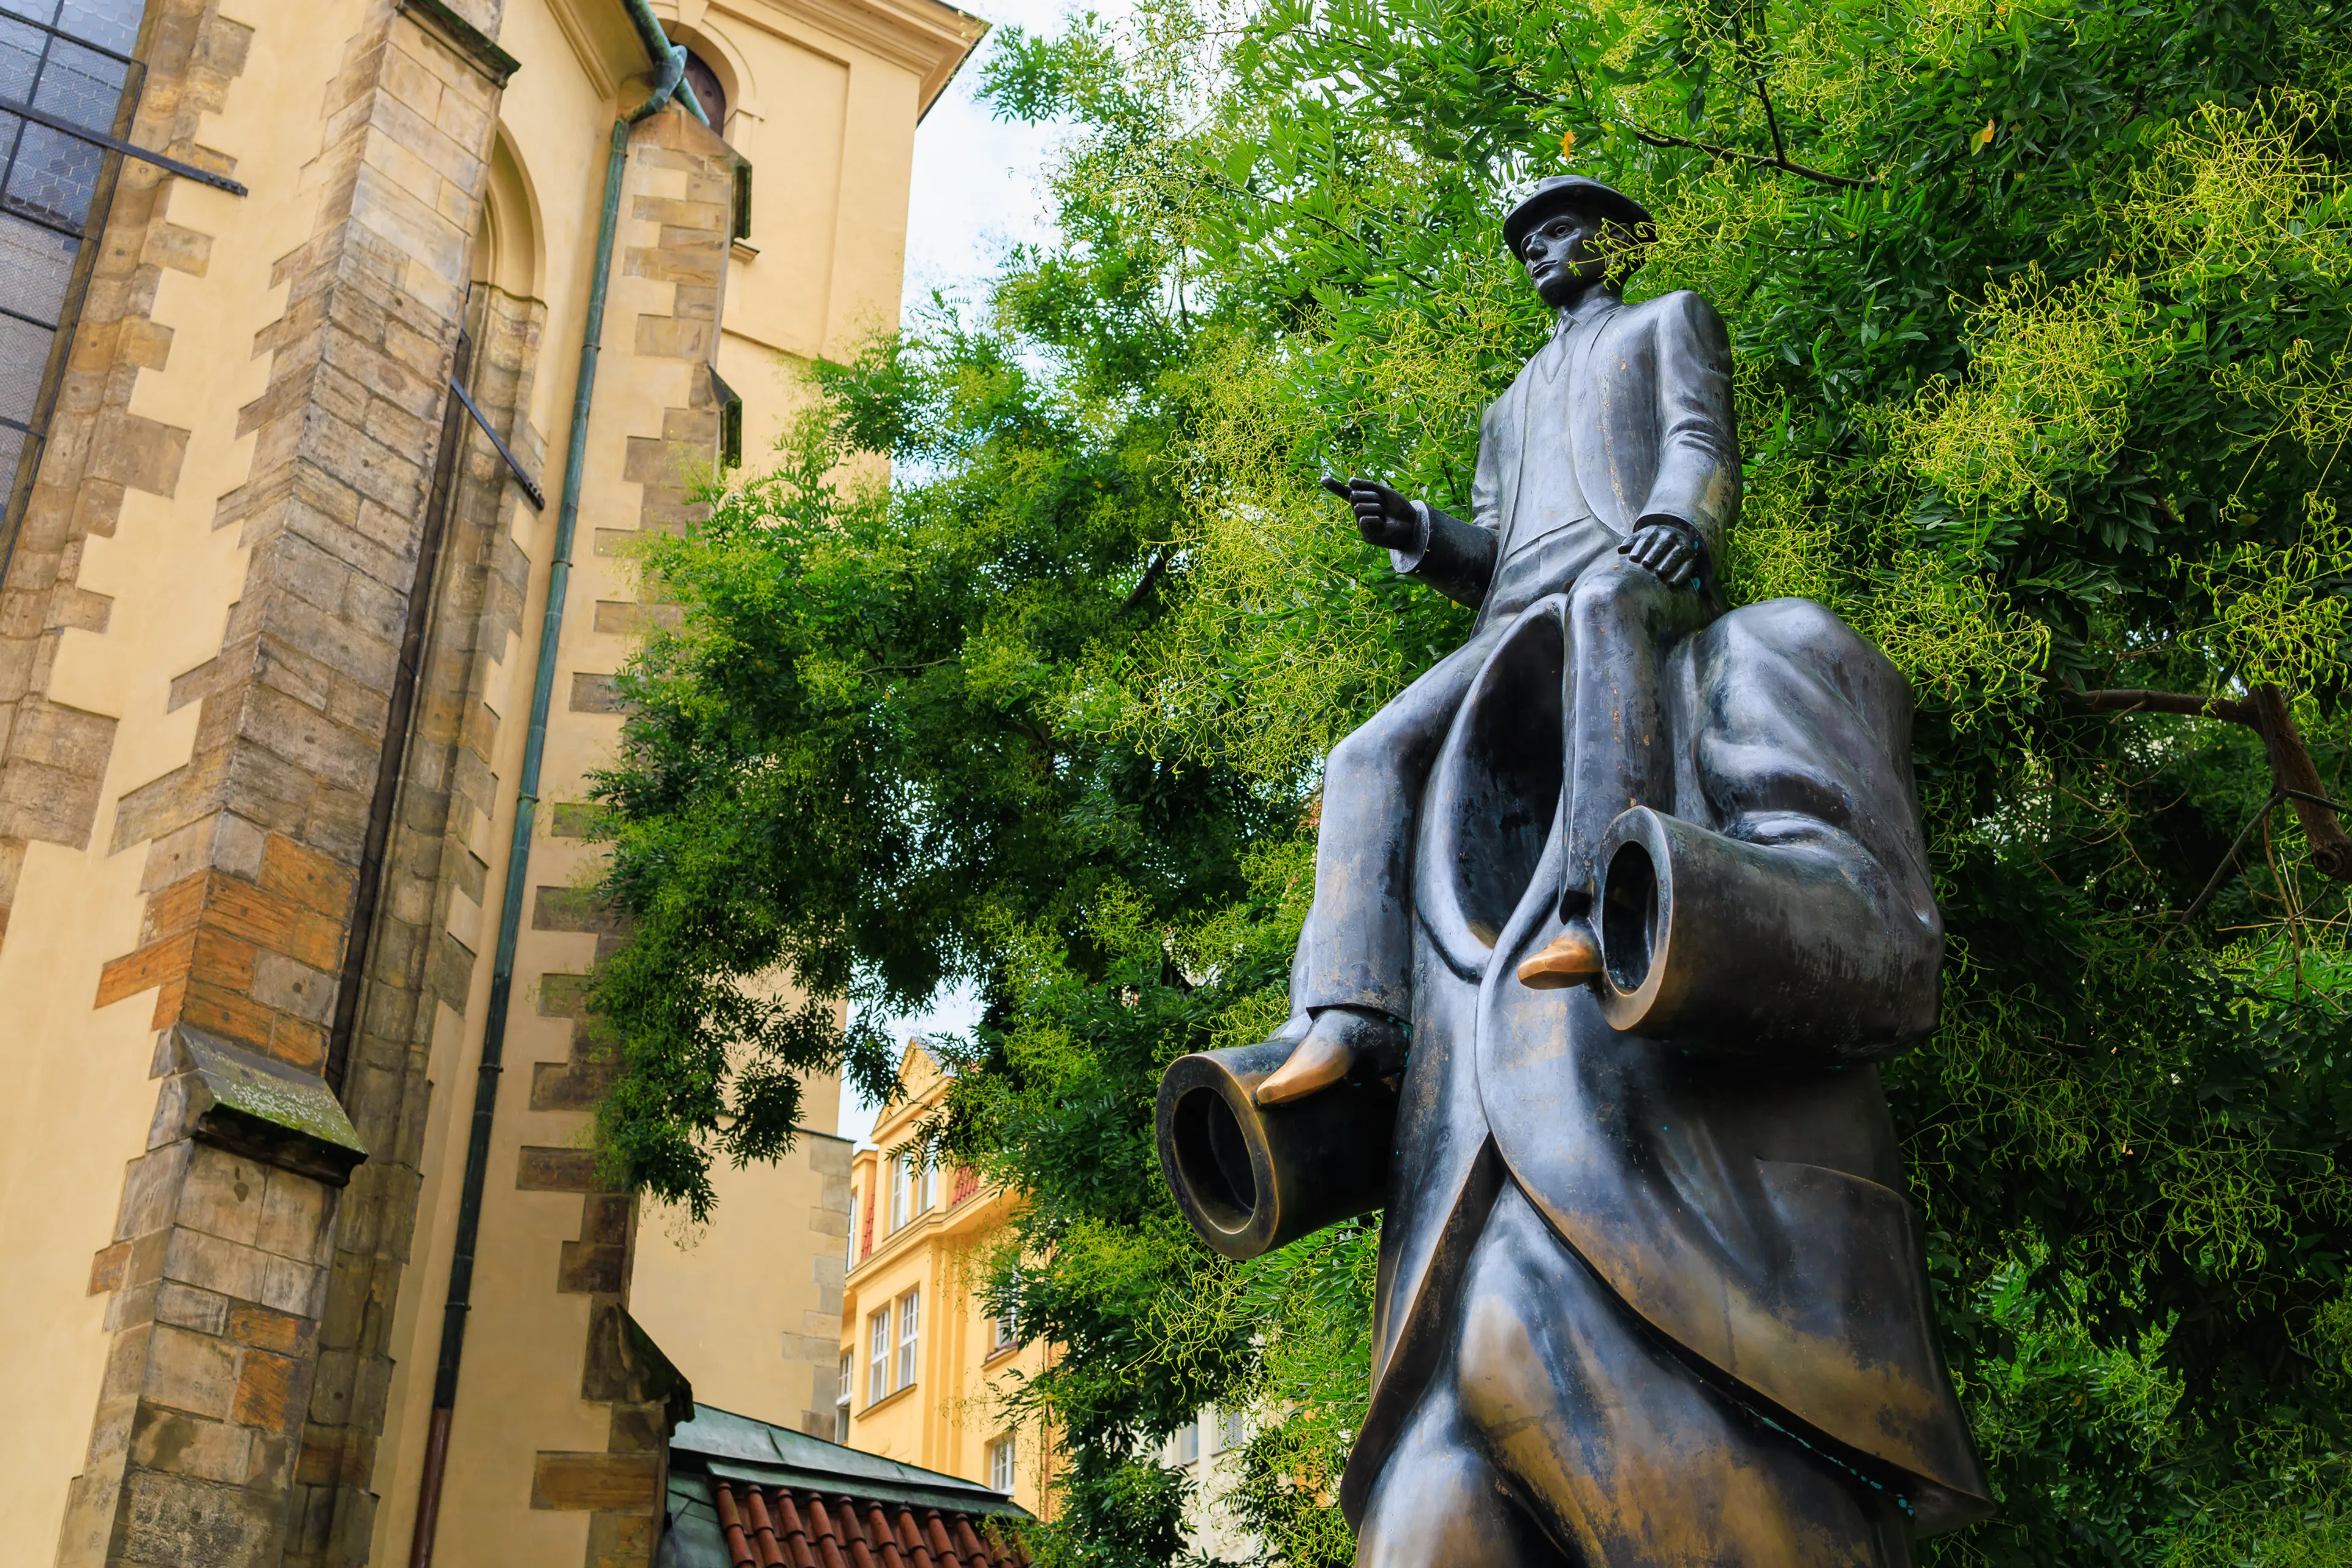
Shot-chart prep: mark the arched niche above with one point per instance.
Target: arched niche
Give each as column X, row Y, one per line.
column 726, row 62
column 507, row 251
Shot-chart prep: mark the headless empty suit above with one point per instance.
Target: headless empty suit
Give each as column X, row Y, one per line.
column 1650, row 1293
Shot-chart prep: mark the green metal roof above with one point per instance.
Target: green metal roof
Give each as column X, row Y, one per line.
column 736, row 1448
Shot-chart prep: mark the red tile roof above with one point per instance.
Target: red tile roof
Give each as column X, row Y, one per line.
column 791, row 1527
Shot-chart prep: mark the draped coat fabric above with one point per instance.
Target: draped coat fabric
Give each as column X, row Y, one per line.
column 1743, row 1201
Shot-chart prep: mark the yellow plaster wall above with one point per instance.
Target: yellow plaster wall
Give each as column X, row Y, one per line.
column 737, row 1302
column 828, row 125
column 721, row 1307
column 83, row 1097
column 833, row 143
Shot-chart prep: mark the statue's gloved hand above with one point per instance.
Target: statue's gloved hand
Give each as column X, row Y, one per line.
column 1383, row 516
column 1668, row 550
column 1335, row 1042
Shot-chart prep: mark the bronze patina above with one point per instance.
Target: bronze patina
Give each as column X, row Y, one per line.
column 1642, row 885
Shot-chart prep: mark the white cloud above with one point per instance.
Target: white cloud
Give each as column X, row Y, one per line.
column 978, row 181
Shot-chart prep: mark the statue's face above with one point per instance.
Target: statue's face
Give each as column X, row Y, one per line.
column 1565, row 255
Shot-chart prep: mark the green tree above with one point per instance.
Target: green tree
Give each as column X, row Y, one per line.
column 2042, row 319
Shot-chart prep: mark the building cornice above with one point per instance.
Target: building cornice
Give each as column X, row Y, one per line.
column 601, row 40
column 982, row 1211
column 929, row 37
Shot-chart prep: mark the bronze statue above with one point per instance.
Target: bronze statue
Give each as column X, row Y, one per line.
column 1615, row 910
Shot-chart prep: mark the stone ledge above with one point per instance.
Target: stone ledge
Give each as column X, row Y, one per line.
column 469, row 42
column 249, row 1104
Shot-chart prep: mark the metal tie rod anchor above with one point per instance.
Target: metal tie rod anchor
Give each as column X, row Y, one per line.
column 116, row 144
column 529, row 486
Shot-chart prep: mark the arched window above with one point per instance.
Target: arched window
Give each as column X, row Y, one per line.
column 706, row 91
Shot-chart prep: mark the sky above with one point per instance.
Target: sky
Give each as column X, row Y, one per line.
column 976, row 187
column 976, row 194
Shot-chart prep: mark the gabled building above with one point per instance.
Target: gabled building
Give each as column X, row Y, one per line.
column 925, row 1364
column 346, row 347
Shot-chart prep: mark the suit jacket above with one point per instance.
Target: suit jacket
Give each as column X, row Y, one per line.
column 1740, row 1191
column 1650, row 424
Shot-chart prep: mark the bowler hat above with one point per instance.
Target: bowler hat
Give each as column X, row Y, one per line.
column 1561, row 191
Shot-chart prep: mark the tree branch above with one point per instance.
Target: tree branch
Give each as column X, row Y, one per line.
column 2222, row 872
column 1779, row 148
column 2136, row 699
column 1761, row 159
column 1151, row 580
column 2299, row 779
column 2293, row 770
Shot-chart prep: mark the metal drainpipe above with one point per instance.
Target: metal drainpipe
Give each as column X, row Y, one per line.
column 659, row 48
column 669, row 82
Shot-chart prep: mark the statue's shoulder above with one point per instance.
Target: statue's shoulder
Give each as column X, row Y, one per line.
column 1679, row 310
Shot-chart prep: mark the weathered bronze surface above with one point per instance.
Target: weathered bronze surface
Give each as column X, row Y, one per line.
column 1643, row 885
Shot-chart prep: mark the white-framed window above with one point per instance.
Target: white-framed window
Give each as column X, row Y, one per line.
column 911, row 1314
column 930, row 1187
column 1188, row 1442
column 878, row 1360
column 1000, row 1463
column 841, row 1397
column 1233, row 1426
column 1000, row 1332
column 902, row 1183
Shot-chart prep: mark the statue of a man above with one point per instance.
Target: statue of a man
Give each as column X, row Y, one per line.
column 1610, row 471
column 1643, row 886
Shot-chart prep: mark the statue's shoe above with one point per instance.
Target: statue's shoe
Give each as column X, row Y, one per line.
column 1335, row 1044
column 1572, row 958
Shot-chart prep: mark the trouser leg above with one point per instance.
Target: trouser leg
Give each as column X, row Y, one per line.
column 1620, row 1448
column 1621, row 619
column 1439, row 1503
column 1356, row 947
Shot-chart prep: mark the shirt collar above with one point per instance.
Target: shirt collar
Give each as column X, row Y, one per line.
column 1595, row 302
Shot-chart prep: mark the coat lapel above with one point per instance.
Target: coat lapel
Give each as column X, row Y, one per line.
column 1570, row 354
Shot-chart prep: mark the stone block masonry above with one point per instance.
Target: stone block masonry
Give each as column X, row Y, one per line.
column 219, row 1270
column 54, row 756
column 435, row 883
column 216, row 1273
column 676, row 195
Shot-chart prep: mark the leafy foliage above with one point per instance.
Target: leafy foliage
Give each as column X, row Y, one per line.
column 2040, row 317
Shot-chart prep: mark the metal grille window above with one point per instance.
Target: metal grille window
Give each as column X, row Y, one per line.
column 68, row 89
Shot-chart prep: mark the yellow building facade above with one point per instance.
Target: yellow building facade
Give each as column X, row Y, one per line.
column 313, row 583
column 925, row 1365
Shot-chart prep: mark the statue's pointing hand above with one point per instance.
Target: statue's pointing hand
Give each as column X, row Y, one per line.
column 1669, row 550
column 1383, row 516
